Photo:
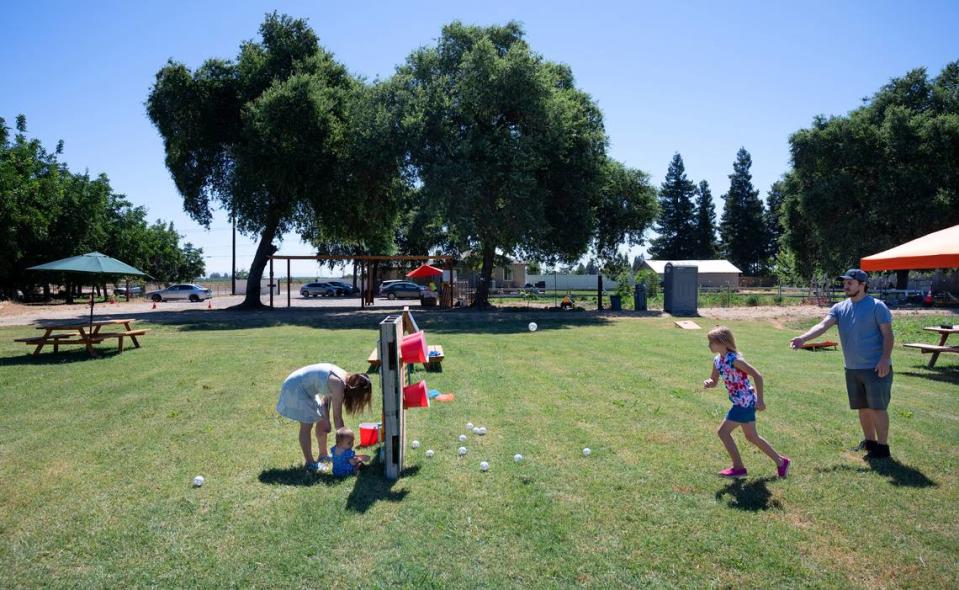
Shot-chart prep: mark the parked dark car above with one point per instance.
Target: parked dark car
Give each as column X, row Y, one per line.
column 348, row 289
column 321, row 289
column 402, row 290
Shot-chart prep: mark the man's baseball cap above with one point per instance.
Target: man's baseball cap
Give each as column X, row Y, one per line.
column 856, row 275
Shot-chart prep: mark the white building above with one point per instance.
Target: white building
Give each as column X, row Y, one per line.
column 712, row 273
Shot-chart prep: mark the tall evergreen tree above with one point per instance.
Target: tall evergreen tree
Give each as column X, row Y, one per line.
column 675, row 225
column 773, row 217
column 705, row 228
column 743, row 228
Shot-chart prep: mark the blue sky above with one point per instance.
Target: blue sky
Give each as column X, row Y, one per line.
column 700, row 78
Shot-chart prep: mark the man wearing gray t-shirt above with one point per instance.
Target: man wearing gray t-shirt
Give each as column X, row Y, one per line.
column 865, row 331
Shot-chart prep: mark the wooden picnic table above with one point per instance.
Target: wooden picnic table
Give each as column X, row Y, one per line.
column 86, row 334
column 937, row 349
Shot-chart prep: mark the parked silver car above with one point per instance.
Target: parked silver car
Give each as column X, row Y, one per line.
column 187, row 292
column 321, row 290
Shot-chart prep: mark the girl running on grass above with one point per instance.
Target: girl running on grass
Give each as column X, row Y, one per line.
column 736, row 372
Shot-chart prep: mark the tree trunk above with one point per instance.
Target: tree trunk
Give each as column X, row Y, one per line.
column 264, row 250
column 486, row 277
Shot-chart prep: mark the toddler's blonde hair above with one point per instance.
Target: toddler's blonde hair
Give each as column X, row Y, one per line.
column 343, row 434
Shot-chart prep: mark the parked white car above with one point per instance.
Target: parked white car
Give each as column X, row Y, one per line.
column 188, row 292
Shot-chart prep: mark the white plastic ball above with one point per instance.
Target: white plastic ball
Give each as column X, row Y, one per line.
column 586, row 452
column 198, row 481
column 532, row 326
column 416, row 444
column 469, row 426
column 429, row 453
column 518, row 458
column 476, row 430
column 484, row 466
column 462, row 451
column 482, row 430
column 462, row 438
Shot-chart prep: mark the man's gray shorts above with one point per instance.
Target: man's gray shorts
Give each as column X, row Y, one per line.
column 867, row 389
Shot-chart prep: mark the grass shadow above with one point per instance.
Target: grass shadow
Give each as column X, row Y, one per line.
column 76, row 355
column 297, row 475
column 946, row 374
column 749, row 495
column 899, row 474
column 372, row 487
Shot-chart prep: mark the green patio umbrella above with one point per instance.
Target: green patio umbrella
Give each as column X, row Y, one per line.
column 95, row 265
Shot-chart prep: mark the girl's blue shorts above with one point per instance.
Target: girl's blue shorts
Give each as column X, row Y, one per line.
column 741, row 414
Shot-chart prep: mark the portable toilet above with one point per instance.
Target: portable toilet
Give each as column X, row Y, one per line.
column 680, row 289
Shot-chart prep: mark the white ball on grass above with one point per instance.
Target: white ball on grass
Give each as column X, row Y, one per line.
column 586, row 452
column 416, row 444
column 429, row 453
column 469, row 426
column 198, row 481
column 462, row 451
column 482, row 430
column 518, row 458
column 532, row 326
column 484, row 466
column 476, row 429
column 462, row 438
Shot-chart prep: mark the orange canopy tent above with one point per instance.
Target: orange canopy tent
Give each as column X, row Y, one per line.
column 423, row 271
column 936, row 250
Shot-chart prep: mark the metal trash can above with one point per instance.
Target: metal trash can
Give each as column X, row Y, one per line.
column 616, row 303
column 639, row 297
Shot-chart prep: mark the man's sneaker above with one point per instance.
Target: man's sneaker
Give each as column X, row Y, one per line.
column 733, row 472
column 879, row 451
column 864, row 445
column 783, row 469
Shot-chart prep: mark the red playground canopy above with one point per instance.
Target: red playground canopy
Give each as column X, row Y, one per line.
column 424, row 271
column 936, row 250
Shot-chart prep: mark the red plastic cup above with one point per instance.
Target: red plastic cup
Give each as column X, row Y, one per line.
column 413, row 348
column 369, row 433
column 416, row 396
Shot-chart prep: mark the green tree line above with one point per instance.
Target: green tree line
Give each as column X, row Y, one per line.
column 48, row 212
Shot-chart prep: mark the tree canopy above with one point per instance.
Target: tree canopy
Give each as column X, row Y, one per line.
column 508, row 154
column 879, row 176
column 48, row 213
column 283, row 138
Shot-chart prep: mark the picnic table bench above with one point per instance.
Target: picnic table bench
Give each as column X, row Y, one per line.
column 86, row 334
column 936, row 349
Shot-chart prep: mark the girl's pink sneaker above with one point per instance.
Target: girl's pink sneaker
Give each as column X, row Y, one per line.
column 733, row 472
column 783, row 469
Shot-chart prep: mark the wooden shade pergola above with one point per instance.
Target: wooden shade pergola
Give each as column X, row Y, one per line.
column 368, row 265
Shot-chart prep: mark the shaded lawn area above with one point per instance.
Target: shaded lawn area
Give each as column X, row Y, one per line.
column 97, row 456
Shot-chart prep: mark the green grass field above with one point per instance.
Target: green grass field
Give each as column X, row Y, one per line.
column 97, row 457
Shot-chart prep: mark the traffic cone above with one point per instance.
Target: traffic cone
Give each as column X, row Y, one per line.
column 154, row 305
column 209, row 304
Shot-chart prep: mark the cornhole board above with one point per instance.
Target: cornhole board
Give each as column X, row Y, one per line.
column 814, row 346
column 688, row 325
column 392, row 379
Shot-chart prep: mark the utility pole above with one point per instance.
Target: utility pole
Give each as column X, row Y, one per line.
column 233, row 272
